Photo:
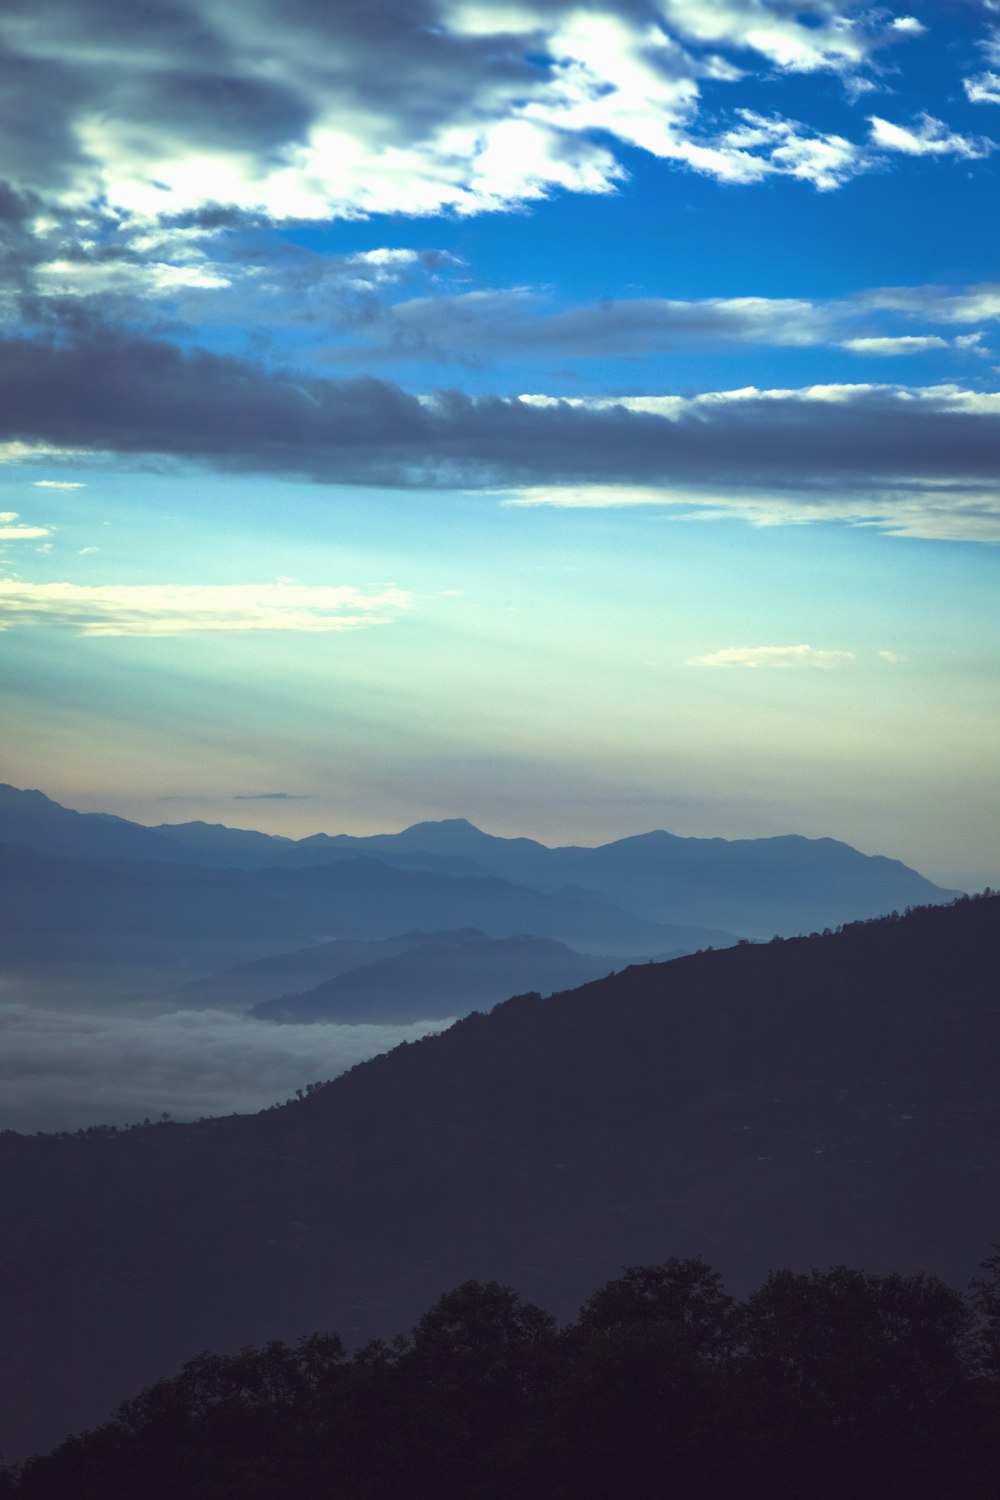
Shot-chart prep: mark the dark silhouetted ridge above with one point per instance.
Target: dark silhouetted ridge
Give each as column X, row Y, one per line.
column 818, row 1100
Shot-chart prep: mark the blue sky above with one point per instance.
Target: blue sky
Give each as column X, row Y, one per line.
column 579, row 418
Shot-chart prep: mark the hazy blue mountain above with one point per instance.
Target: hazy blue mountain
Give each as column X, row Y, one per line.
column 807, row 1102
column 288, row 973
column 363, row 897
column 444, row 975
column 155, row 923
column 753, row 886
column 138, row 923
column 215, row 844
column 36, row 822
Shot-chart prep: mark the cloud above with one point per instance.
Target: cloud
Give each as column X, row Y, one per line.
column 892, row 657
column 59, row 484
column 984, row 88
column 973, row 304
column 772, row 656
column 905, row 344
column 13, row 530
column 271, row 797
column 769, row 144
column 472, row 326
column 62, row 1071
column 918, row 460
column 930, row 138
column 285, row 109
column 187, row 609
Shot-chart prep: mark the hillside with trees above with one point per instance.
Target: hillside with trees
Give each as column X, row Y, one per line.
column 832, row 1099
column 819, row 1384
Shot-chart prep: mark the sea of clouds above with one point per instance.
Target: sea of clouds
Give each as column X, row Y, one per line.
column 60, row 1070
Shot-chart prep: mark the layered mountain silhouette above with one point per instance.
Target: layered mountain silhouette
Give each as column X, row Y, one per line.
column 752, row 886
column 34, row 821
column 440, row 976
column 151, row 921
column 219, row 895
column 816, row 1100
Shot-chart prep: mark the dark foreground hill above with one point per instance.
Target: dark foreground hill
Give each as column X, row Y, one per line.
column 817, row 1100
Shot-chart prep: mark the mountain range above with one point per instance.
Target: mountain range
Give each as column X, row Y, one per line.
column 808, row 1101
column 441, row 976
column 98, row 901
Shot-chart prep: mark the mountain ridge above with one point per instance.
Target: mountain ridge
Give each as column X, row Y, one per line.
column 754, row 887
column 831, row 1098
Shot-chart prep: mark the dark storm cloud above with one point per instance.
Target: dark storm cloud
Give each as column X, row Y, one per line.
column 110, row 391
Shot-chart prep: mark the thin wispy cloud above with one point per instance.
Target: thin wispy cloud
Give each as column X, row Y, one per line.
column 773, row 656
column 13, row 529
column 930, row 137
column 457, row 326
column 983, row 88
column 59, row 484
column 903, row 344
column 190, row 609
column 270, row 797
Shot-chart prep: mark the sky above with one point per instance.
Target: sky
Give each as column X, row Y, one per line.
column 577, row 417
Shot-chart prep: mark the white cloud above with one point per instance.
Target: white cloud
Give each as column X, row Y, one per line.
column 772, row 656
column 976, row 304
column 341, row 111
column 984, row 88
column 61, row 1071
column 892, row 657
column 834, row 42
column 80, row 278
column 59, row 484
column 790, row 149
column 15, row 451
column 13, row 530
column 947, row 511
column 86, row 551
column 907, row 344
column 186, row 609
column 931, row 138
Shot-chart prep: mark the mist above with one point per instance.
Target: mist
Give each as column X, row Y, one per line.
column 65, row 1070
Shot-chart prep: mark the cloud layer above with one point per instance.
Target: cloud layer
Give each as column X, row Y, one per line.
column 294, row 110
column 189, row 609
column 773, row 656
column 61, row 1071
column 920, row 461
column 13, row 529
